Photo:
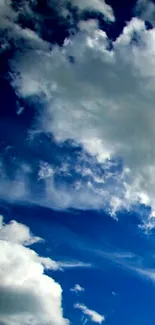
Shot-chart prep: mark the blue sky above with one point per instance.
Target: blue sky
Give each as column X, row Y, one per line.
column 77, row 162
column 108, row 249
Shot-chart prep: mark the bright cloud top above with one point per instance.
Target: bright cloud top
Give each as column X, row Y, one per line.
column 16, row 232
column 27, row 295
column 93, row 315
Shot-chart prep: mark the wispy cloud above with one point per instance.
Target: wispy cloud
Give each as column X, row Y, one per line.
column 93, row 315
column 77, row 288
column 74, row 264
column 130, row 262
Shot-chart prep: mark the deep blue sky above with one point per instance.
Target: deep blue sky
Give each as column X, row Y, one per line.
column 119, row 293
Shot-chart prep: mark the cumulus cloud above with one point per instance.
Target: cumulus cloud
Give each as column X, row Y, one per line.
column 77, row 288
column 93, row 315
column 102, row 99
column 28, row 13
column 17, row 233
column 27, row 294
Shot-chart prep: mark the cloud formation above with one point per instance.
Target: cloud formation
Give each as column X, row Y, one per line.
column 74, row 264
column 145, row 10
column 93, row 315
column 27, row 294
column 137, row 265
column 96, row 5
column 98, row 94
column 89, row 102
column 77, row 288
column 16, row 232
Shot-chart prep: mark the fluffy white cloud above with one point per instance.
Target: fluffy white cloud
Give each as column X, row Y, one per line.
column 93, row 315
column 104, row 100
column 27, row 295
column 16, row 232
column 77, row 288
column 45, row 171
column 13, row 32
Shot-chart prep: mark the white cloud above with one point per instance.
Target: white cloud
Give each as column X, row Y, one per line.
column 17, row 233
column 61, row 265
column 77, row 288
column 85, row 192
column 27, row 295
column 93, row 315
column 104, row 101
column 148, row 224
column 146, row 273
column 13, row 32
column 89, row 101
column 45, row 171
